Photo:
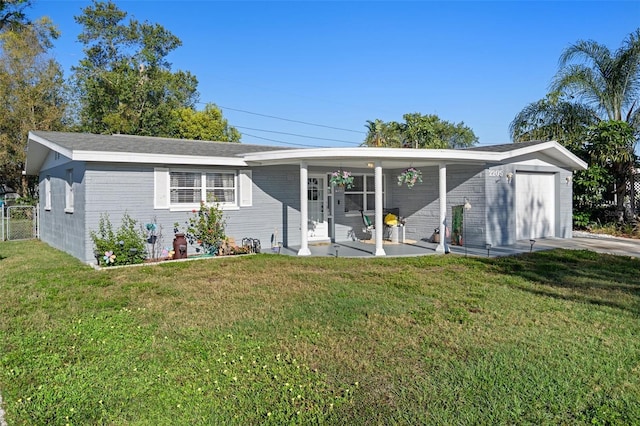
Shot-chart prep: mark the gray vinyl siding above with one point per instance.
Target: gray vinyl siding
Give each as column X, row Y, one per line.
column 420, row 205
column 501, row 203
column 62, row 230
column 116, row 189
column 500, row 207
column 276, row 206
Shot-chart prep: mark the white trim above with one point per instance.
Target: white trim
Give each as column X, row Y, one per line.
column 203, row 188
column 245, row 183
column 161, row 188
column 196, row 206
column 398, row 157
column 69, row 199
column 128, row 157
column 47, row 192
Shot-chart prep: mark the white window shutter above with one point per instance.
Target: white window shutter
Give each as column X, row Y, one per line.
column 161, row 188
column 246, row 188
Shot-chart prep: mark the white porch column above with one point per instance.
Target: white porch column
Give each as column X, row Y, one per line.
column 442, row 196
column 304, row 211
column 378, row 206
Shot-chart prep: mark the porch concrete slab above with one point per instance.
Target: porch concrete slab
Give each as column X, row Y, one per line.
column 580, row 241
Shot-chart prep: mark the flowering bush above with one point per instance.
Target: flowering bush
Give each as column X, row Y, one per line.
column 206, row 228
column 410, row 176
column 341, row 178
column 125, row 246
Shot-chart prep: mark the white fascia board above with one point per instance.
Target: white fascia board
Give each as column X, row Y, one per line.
column 38, row 149
column 129, row 157
column 407, row 154
column 48, row 144
column 551, row 148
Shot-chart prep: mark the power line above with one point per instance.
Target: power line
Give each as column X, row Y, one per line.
column 283, row 142
column 294, row 134
column 291, row 121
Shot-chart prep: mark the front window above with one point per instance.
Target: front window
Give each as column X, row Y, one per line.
column 361, row 195
column 221, row 188
column 188, row 188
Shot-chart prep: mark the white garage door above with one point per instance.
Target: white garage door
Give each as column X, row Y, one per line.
column 535, row 205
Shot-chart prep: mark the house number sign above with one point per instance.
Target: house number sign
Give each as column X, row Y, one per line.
column 496, row 173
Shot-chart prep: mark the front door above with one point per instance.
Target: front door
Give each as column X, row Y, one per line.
column 317, row 207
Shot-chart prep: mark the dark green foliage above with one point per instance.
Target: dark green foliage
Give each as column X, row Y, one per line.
column 419, row 131
column 125, row 83
column 12, row 14
column 593, row 110
column 126, row 246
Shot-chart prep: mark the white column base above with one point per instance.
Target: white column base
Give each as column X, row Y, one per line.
column 304, row 252
column 380, row 252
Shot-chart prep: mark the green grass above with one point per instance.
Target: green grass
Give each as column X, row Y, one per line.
column 543, row 338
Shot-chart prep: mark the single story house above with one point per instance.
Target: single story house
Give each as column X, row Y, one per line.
column 511, row 192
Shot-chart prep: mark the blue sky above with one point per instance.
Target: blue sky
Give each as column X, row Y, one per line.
column 339, row 64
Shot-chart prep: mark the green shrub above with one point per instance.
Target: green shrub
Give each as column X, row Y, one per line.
column 126, row 246
column 206, row 228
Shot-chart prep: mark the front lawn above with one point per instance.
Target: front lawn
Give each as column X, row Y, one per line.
column 545, row 338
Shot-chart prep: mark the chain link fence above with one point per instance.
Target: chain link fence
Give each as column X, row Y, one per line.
column 19, row 223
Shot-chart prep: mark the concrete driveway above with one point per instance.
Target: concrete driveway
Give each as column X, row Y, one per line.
column 605, row 244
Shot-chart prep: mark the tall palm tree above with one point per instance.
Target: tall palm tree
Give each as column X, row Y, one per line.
column 608, row 82
column 604, row 86
column 593, row 84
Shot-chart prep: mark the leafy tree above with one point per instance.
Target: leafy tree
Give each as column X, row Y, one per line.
column 419, row 131
column 125, row 83
column 208, row 125
column 32, row 96
column 610, row 145
column 382, row 134
column 593, row 85
column 12, row 14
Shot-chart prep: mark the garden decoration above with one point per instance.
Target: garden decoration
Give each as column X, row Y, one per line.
column 151, row 229
column 410, row 176
column 341, row 178
column 109, row 257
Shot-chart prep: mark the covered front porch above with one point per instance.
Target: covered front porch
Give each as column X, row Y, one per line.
column 362, row 249
column 474, row 187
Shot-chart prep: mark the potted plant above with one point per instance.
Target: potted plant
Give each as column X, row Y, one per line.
column 410, row 176
column 341, row 178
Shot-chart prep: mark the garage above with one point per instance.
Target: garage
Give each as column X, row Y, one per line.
column 535, row 205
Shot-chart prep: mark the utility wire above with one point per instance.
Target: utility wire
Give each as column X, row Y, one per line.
column 283, row 142
column 302, row 136
column 292, row 121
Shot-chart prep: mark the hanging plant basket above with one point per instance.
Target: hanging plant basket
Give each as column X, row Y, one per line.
column 409, row 177
column 341, row 178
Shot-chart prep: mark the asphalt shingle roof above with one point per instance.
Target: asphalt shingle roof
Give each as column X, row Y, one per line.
column 504, row 147
column 150, row 145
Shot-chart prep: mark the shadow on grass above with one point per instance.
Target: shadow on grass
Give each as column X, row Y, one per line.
column 579, row 276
